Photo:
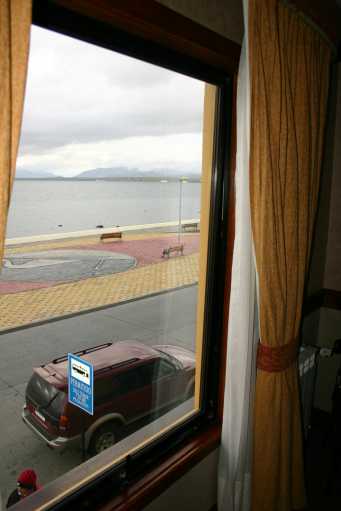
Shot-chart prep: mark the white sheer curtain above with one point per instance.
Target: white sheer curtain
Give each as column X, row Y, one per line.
column 235, row 462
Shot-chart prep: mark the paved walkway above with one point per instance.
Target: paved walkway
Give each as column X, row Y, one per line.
column 25, row 307
column 85, row 241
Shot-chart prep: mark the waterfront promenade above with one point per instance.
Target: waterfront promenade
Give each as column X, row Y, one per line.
column 29, row 297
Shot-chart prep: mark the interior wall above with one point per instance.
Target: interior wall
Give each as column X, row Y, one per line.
column 222, row 16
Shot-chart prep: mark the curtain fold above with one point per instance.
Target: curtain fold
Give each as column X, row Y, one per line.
column 235, row 460
column 15, row 23
column 289, row 76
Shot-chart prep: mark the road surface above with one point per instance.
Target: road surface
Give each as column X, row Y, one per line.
column 165, row 318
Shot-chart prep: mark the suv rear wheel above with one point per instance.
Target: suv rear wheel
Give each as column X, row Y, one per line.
column 105, row 436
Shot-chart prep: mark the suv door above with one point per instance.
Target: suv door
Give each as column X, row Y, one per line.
column 105, row 395
column 134, row 396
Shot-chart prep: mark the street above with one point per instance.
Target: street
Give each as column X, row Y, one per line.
column 167, row 318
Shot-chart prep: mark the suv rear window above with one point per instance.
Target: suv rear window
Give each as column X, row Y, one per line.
column 44, row 395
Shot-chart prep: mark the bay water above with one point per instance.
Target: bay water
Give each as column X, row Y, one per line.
column 48, row 206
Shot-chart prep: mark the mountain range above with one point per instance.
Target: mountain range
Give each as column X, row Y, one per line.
column 33, row 174
column 119, row 173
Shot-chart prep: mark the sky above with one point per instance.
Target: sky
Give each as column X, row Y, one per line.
column 87, row 107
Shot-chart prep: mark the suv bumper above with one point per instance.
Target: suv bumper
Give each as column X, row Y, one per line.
column 58, row 442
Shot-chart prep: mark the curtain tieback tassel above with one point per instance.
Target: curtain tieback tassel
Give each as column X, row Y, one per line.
column 276, row 359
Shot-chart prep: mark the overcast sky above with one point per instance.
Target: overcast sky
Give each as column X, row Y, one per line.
column 87, row 107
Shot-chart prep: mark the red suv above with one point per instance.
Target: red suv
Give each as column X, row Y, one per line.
column 131, row 382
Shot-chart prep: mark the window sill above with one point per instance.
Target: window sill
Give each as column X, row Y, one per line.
column 94, row 481
column 142, row 492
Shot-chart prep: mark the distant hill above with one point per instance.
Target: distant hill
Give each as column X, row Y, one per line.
column 103, row 173
column 33, row 174
column 112, row 174
column 122, row 173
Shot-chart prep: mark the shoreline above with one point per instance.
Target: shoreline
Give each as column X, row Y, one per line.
column 97, row 232
column 118, row 179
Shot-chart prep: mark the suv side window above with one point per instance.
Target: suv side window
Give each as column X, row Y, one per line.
column 104, row 390
column 148, row 373
column 164, row 369
column 153, row 371
column 139, row 377
column 143, row 375
column 128, row 381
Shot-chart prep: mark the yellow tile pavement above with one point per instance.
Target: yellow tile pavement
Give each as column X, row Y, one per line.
column 36, row 305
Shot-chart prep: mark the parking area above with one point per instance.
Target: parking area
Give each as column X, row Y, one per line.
column 165, row 318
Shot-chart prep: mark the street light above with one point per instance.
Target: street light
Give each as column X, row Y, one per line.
column 181, row 181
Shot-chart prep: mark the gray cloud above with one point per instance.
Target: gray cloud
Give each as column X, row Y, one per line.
column 78, row 93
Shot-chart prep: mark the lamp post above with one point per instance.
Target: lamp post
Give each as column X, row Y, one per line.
column 181, row 181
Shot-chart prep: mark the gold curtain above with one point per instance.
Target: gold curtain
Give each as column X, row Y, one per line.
column 289, row 62
column 15, row 22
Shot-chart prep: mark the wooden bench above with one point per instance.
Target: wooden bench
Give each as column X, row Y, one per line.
column 167, row 251
column 110, row 235
column 194, row 226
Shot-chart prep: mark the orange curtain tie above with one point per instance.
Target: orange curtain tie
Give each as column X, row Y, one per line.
column 276, row 359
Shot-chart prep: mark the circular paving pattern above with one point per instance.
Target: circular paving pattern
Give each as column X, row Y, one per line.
column 63, row 265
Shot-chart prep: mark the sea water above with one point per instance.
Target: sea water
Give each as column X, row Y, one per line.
column 44, row 206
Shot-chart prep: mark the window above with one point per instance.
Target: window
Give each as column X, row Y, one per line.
column 130, row 380
column 165, row 369
column 105, row 390
column 149, row 308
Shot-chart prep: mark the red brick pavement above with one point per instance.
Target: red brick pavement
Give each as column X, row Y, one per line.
column 147, row 251
column 7, row 287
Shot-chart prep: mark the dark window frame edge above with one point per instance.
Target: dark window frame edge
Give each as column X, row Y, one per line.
column 230, row 230
column 154, row 22
column 183, row 461
column 217, row 289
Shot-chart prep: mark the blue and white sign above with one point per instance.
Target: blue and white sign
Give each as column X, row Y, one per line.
column 81, row 383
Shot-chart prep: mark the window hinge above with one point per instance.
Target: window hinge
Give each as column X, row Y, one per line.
column 124, row 473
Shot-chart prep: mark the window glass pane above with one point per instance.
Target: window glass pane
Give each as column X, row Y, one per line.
column 165, row 369
column 105, row 256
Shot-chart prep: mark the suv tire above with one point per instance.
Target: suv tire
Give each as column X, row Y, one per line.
column 103, row 438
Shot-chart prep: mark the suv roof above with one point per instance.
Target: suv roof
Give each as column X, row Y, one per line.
column 102, row 357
